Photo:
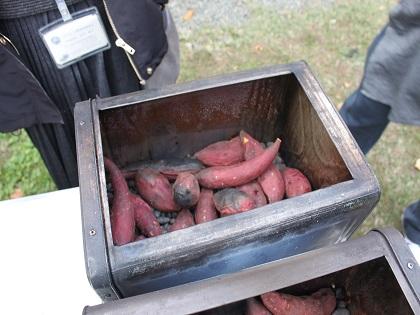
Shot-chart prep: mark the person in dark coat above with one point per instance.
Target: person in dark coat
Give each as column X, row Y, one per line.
column 37, row 96
column 390, row 91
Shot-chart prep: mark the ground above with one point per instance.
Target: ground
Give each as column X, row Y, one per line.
column 225, row 36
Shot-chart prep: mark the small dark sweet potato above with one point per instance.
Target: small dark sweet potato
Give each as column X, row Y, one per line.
column 156, row 190
column 321, row 302
column 186, row 190
column 222, row 153
column 235, row 175
column 145, row 219
column 122, row 212
column 296, row 183
column 254, row 190
column 231, row 201
column 254, row 307
column 205, row 210
column 183, row 220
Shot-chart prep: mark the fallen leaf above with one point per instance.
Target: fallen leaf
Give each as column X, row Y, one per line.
column 258, row 48
column 16, row 194
column 188, row 15
column 417, row 165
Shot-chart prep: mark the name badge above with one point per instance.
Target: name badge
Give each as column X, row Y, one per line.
column 80, row 36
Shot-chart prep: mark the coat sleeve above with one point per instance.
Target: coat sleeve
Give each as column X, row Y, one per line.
column 23, row 101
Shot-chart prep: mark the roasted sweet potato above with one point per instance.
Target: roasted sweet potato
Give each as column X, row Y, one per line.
column 272, row 184
column 222, row 153
column 254, row 307
column 254, row 190
column 321, row 302
column 271, row 180
column 183, row 220
column 145, row 219
column 205, row 210
column 168, row 167
column 186, row 190
column 296, row 183
column 122, row 212
column 231, row 201
column 156, row 190
column 235, row 175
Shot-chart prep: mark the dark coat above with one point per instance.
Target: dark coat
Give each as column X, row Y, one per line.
column 24, row 103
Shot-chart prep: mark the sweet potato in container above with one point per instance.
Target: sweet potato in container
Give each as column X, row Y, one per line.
column 205, row 210
column 156, row 190
column 180, row 120
column 231, row 201
column 222, row 153
column 321, row 302
column 271, row 180
column 122, row 211
column 238, row 174
column 186, row 190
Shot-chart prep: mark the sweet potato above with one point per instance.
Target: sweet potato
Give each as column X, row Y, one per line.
column 145, row 219
column 271, row 180
column 327, row 298
column 205, row 210
column 235, row 175
column 254, row 190
column 231, row 201
column 156, row 190
column 222, row 153
column 296, row 183
column 186, row 190
column 272, row 184
column 183, row 220
column 254, row 307
column 122, row 212
column 321, row 302
column 168, row 167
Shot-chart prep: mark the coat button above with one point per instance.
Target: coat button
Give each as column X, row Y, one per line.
column 149, row 70
column 2, row 41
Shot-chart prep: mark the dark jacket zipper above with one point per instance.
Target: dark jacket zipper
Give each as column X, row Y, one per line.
column 129, row 51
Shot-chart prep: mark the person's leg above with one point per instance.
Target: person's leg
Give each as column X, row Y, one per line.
column 411, row 222
column 411, row 226
column 365, row 118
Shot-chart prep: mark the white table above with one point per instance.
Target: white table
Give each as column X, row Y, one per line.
column 42, row 267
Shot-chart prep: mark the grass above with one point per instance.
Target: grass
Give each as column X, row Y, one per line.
column 332, row 39
column 22, row 171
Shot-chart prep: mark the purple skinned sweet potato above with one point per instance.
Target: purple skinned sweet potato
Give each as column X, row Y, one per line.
column 254, row 190
column 231, row 201
column 183, row 220
column 186, row 190
column 122, row 212
column 296, row 183
column 145, row 219
column 222, row 153
column 217, row 177
column 205, row 210
column 322, row 302
column 156, row 190
column 271, row 180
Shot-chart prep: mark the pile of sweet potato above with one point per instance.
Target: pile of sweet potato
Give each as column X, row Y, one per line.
column 322, row 302
column 224, row 178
